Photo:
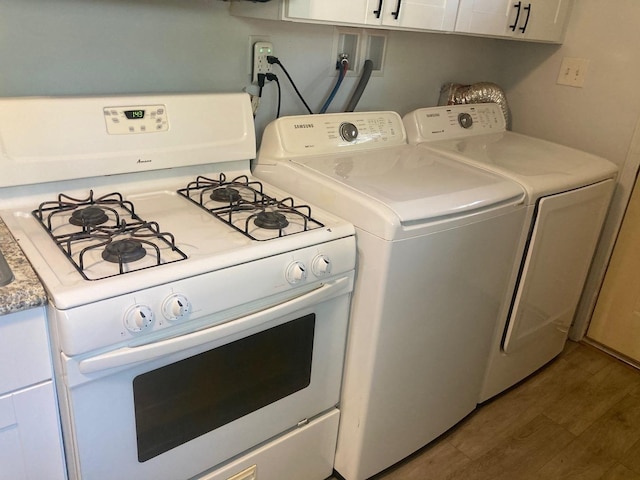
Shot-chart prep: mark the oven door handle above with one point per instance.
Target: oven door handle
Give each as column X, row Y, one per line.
column 152, row 351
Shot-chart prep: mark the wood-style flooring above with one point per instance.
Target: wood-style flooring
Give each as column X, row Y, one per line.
column 577, row 418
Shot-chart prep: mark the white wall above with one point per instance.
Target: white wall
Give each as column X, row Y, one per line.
column 602, row 117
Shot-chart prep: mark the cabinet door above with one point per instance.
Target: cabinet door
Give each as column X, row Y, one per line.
column 30, row 446
column 541, row 20
column 336, row 11
column 24, row 350
column 547, row 20
column 485, row 17
column 420, row 14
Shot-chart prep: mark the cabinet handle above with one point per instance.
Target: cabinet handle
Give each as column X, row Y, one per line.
column 515, row 24
column 526, row 21
column 379, row 10
column 397, row 12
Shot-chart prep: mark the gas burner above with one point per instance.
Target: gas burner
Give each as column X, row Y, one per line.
column 87, row 213
column 88, row 217
column 124, row 251
column 242, row 204
column 271, row 220
column 97, row 233
column 226, row 194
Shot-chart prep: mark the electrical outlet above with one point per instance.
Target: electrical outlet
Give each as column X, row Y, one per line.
column 261, row 50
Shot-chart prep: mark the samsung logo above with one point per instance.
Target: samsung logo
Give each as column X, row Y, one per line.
column 143, row 161
column 431, row 115
column 303, row 125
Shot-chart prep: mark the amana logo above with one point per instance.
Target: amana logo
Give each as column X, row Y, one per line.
column 144, row 161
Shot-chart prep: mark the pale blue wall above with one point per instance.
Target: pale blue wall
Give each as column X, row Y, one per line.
column 69, row 47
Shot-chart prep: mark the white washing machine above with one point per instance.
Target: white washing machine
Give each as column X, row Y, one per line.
column 436, row 243
column 568, row 196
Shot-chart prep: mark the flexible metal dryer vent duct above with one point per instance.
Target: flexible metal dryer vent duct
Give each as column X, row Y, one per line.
column 482, row 92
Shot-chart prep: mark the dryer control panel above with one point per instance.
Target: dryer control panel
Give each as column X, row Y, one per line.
column 332, row 133
column 453, row 121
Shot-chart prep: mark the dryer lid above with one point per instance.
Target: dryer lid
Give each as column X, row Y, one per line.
column 414, row 183
column 541, row 167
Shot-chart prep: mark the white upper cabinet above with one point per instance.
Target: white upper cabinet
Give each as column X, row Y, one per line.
column 532, row 20
column 535, row 20
column 402, row 14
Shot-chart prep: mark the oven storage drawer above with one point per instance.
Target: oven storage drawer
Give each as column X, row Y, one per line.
column 303, row 453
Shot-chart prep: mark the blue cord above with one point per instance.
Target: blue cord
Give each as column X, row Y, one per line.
column 343, row 72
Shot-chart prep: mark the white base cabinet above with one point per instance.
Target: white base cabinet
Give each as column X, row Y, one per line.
column 30, row 441
column 29, row 435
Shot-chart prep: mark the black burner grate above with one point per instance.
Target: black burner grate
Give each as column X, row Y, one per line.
column 242, row 204
column 108, row 225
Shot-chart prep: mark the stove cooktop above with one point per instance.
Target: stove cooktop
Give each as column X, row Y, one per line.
column 103, row 236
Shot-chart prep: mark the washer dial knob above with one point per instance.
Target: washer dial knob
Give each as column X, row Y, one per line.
column 465, row 120
column 176, row 307
column 138, row 318
column 321, row 265
column 348, row 132
column 296, row 273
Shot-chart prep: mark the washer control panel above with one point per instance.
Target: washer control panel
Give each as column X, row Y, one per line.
column 332, row 133
column 348, row 132
column 453, row 121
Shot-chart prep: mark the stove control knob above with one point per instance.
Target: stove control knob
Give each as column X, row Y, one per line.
column 296, row 272
column 176, row 307
column 465, row 120
column 348, row 132
column 321, row 265
column 138, row 318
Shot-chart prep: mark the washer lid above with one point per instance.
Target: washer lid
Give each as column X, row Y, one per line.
column 541, row 167
column 413, row 182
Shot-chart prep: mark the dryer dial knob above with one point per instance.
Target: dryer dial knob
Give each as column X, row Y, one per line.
column 465, row 120
column 138, row 318
column 176, row 307
column 296, row 272
column 348, row 132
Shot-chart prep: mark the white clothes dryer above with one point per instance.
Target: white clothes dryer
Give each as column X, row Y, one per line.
column 436, row 241
column 568, row 196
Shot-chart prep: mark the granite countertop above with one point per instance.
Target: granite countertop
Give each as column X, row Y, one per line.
column 25, row 291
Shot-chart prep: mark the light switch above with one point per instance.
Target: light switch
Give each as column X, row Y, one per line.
column 573, row 71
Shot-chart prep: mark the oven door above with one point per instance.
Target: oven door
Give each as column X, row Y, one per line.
column 180, row 406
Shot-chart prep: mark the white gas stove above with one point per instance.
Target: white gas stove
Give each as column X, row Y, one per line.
column 156, row 246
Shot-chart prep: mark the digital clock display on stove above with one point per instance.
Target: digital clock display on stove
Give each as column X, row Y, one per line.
column 134, row 114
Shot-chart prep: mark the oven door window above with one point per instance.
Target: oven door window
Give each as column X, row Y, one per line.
column 181, row 401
